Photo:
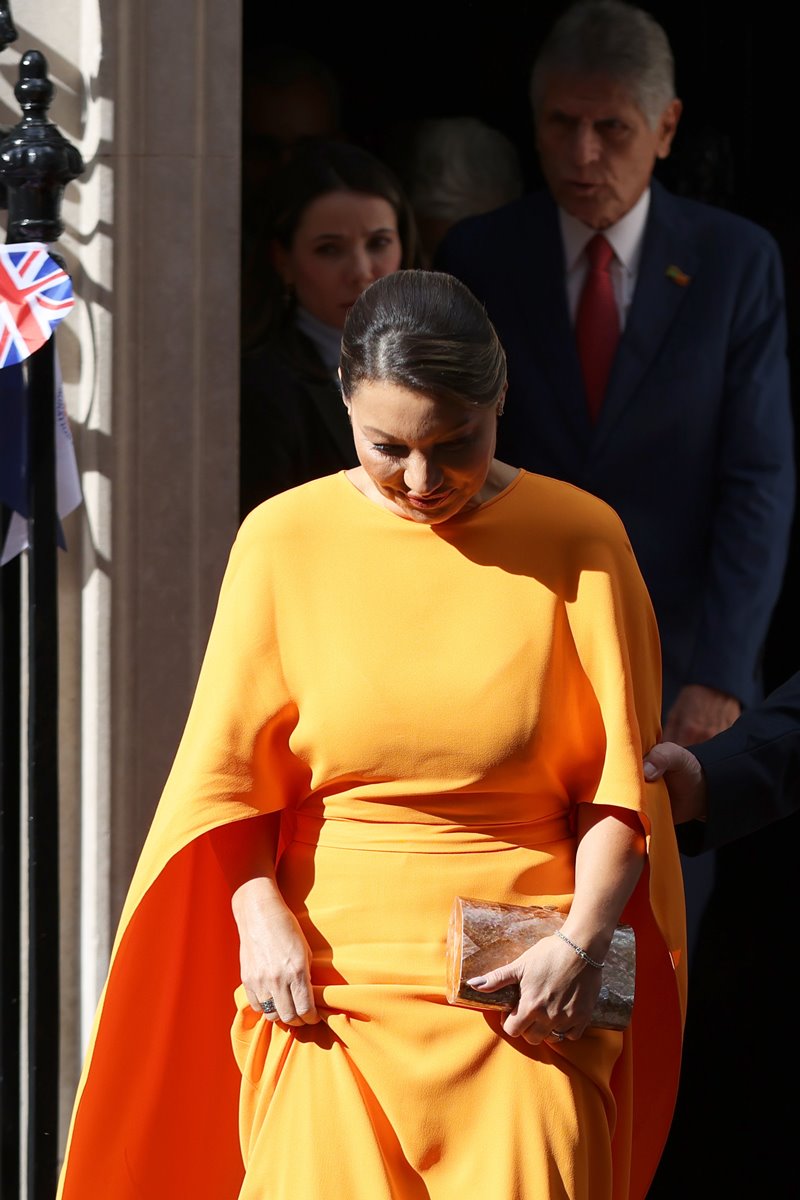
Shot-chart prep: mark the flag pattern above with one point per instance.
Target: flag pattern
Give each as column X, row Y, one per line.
column 35, row 295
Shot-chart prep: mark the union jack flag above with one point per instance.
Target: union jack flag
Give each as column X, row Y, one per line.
column 35, row 295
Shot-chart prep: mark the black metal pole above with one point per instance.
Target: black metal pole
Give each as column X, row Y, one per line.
column 36, row 162
column 43, row 874
column 10, row 816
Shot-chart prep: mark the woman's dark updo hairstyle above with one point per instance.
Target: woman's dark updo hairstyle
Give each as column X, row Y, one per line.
column 316, row 168
column 424, row 331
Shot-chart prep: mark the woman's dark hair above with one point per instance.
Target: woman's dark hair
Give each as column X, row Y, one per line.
column 316, row 168
column 425, row 331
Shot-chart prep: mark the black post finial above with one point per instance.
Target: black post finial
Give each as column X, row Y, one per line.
column 36, row 160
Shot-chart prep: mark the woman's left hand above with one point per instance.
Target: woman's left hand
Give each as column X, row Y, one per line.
column 558, row 992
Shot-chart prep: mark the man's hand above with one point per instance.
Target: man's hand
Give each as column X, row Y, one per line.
column 698, row 713
column 684, row 778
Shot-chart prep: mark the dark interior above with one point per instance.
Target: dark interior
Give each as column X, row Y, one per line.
column 733, row 72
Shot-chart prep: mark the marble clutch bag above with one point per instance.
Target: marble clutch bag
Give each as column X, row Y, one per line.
column 483, row 935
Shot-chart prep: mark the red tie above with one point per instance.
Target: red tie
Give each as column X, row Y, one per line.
column 597, row 323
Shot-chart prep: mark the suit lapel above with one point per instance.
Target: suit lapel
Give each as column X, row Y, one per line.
column 333, row 415
column 302, row 358
column 542, row 297
column 668, row 262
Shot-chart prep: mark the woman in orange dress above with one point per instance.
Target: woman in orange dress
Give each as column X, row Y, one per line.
column 428, row 676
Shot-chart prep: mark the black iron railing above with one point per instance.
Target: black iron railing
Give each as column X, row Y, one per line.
column 36, row 163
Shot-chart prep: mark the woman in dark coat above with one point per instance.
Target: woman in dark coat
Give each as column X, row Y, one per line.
column 335, row 219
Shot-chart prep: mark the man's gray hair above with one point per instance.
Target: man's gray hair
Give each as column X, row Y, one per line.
column 615, row 40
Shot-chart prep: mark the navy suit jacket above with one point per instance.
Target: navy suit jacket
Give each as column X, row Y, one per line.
column 752, row 771
column 694, row 444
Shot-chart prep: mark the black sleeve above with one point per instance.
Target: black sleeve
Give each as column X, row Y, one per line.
column 752, row 770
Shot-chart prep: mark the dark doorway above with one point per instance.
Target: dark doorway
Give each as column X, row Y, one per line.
column 733, row 74
column 427, row 60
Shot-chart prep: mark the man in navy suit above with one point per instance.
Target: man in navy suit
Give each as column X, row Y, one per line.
column 693, row 443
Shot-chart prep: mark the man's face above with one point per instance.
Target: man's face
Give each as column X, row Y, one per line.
column 596, row 148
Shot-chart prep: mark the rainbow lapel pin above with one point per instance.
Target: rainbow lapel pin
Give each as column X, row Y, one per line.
column 678, row 276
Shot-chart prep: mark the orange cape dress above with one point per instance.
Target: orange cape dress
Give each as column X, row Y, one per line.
column 425, row 706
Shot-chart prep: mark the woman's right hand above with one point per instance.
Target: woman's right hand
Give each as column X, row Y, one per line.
column 274, row 956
